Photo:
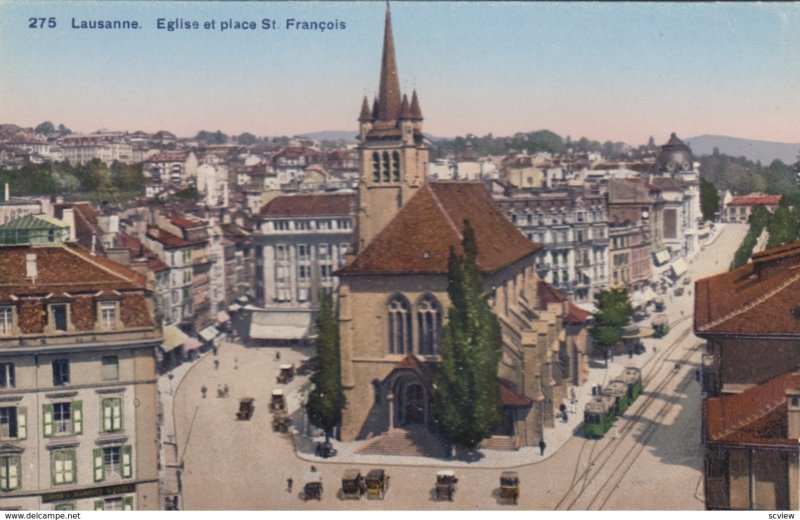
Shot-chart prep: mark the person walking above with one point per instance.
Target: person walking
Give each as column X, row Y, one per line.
column 289, row 483
column 216, row 364
column 203, row 391
column 542, row 446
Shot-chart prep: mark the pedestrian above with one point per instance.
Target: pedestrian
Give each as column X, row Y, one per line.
column 225, row 391
column 572, row 394
column 630, row 354
column 203, row 390
column 216, row 364
column 289, row 483
column 236, row 363
column 277, row 355
column 215, row 350
column 542, row 446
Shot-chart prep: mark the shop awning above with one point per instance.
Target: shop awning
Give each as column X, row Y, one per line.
column 173, row 338
column 287, row 325
column 235, row 307
column 679, row 267
column 223, row 317
column 191, row 344
column 209, row 333
column 662, row 257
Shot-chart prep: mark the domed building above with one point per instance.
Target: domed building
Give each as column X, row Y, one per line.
column 675, row 156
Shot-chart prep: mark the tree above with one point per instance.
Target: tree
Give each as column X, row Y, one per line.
column 709, row 200
column 466, row 398
column 246, row 139
column 614, row 311
column 45, row 128
column 326, row 401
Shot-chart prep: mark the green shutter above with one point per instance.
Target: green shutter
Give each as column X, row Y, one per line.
column 99, row 505
column 77, row 417
column 99, row 467
column 14, row 468
column 22, row 422
column 127, row 461
column 5, row 464
column 117, row 403
column 107, row 411
column 47, row 417
column 56, row 469
column 127, row 504
column 69, row 466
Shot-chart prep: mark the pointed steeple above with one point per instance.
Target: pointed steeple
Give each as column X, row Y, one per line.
column 405, row 110
column 389, row 90
column 374, row 109
column 416, row 112
column 366, row 115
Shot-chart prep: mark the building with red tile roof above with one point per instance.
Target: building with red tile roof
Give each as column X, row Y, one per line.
column 751, row 416
column 739, row 209
column 78, row 375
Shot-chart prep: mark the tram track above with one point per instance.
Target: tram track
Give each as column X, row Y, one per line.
column 595, row 465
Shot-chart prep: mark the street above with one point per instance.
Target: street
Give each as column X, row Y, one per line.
column 650, row 459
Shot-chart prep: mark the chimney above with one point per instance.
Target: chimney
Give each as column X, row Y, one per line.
column 793, row 413
column 30, row 266
column 68, row 216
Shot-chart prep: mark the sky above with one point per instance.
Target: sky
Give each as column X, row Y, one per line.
column 607, row 71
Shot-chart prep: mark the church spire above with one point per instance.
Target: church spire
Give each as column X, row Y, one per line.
column 389, row 90
column 366, row 115
column 416, row 113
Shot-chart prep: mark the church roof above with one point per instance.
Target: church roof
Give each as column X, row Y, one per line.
column 416, row 112
column 419, row 238
column 366, row 115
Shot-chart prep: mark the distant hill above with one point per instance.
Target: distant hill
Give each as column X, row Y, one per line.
column 764, row 151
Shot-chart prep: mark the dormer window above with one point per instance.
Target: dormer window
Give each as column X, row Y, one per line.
column 108, row 315
column 6, row 320
column 58, row 314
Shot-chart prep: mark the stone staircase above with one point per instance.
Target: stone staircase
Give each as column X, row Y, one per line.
column 499, row 442
column 412, row 442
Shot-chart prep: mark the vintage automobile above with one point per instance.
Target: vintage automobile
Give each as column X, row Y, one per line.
column 281, row 422
column 313, row 486
column 377, row 483
column 286, row 374
column 278, row 401
column 352, row 483
column 445, row 484
column 245, row 409
column 509, row 486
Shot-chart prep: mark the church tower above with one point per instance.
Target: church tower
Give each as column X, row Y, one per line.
column 393, row 155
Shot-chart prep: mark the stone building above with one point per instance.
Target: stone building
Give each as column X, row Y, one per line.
column 751, row 413
column 393, row 293
column 78, row 417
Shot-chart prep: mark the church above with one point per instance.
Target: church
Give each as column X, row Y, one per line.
column 392, row 298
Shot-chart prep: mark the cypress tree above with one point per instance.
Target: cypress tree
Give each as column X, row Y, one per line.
column 326, row 401
column 466, row 401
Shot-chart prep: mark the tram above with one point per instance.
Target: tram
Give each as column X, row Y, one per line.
column 601, row 412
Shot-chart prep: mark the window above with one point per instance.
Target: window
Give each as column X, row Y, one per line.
column 187, row 256
column 187, row 276
column 63, row 464
column 399, row 325
column 13, row 424
column 63, row 418
column 386, row 167
column 7, row 375
column 303, row 272
column 6, row 316
column 110, row 368
column 281, row 225
column 280, row 252
column 302, row 225
column 324, row 251
column 9, row 472
column 112, row 414
column 323, row 225
column 376, row 167
column 344, row 223
column 429, row 325
column 114, row 504
column 60, row 372
column 108, row 315
column 66, row 506
column 395, row 167
column 59, row 314
column 302, row 252
column 113, row 462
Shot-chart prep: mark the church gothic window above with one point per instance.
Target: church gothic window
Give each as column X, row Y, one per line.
column 376, row 167
column 386, row 167
column 395, row 167
column 429, row 325
column 399, row 325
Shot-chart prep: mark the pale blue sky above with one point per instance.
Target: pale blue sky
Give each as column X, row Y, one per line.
column 601, row 70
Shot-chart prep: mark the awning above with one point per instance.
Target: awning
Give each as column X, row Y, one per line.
column 173, row 338
column 235, row 307
column 280, row 324
column 223, row 317
column 662, row 257
column 641, row 298
column 209, row 333
column 679, row 267
column 191, row 344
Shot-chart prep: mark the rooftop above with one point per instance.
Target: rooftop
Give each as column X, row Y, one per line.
column 310, row 205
